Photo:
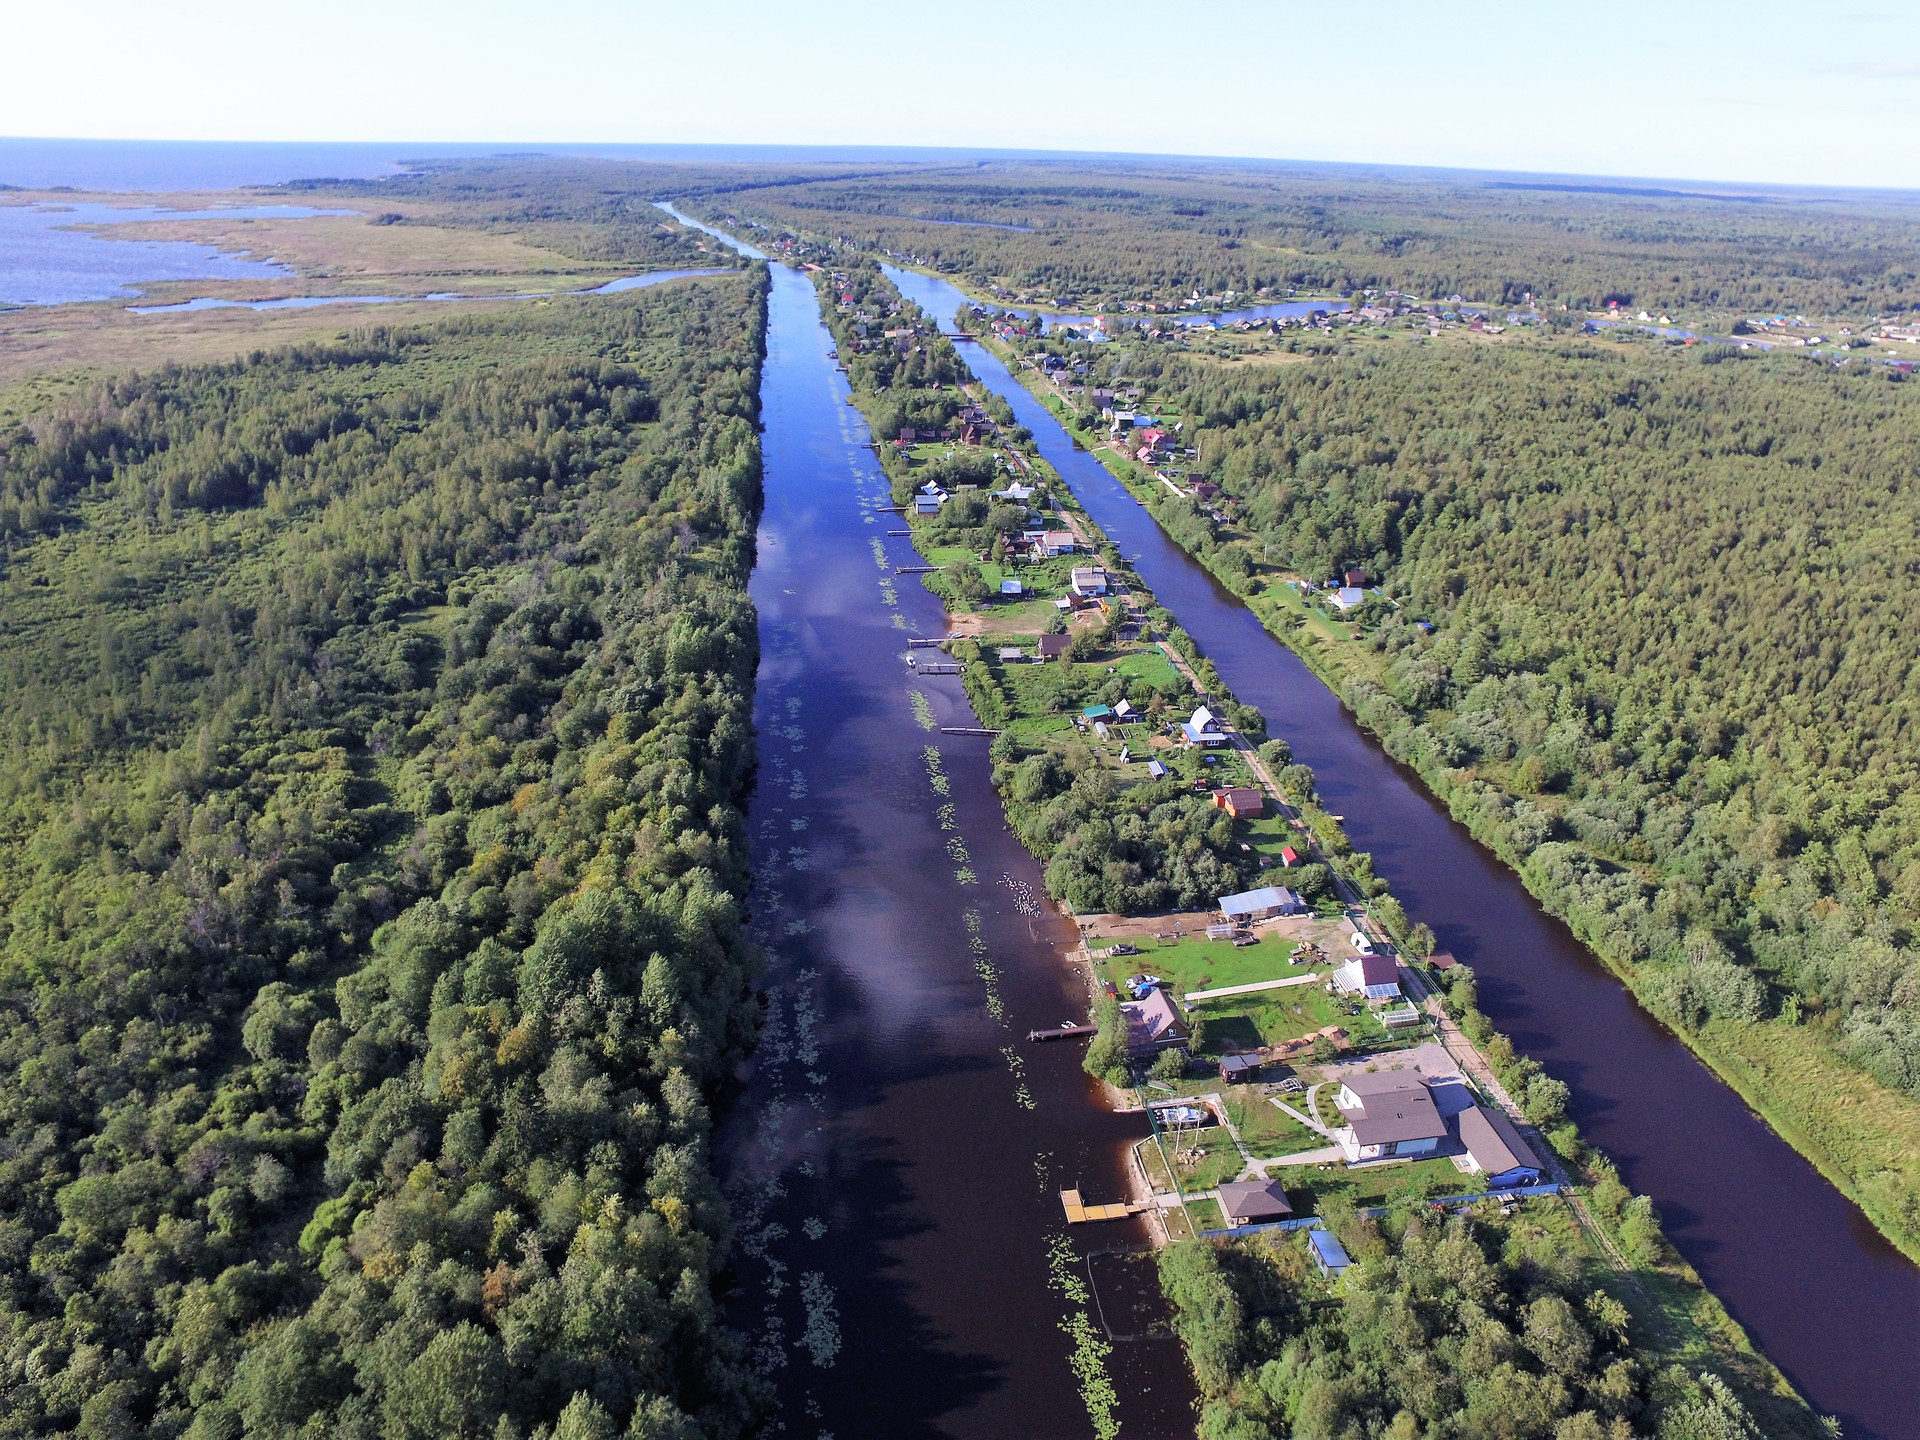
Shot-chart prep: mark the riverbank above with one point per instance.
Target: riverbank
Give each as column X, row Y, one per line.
column 1678, row 1317
column 1862, row 1136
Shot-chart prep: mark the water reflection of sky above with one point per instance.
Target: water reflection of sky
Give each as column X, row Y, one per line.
column 44, row 261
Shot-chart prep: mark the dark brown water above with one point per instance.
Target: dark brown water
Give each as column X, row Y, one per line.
column 1817, row 1287
column 895, row 1162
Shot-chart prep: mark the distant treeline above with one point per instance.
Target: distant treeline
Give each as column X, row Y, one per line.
column 1111, row 230
column 371, row 868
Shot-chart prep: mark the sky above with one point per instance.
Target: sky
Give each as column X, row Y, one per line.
column 1773, row 91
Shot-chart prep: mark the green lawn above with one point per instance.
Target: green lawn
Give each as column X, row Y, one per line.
column 1265, row 1129
column 1203, row 1172
column 1309, row 1186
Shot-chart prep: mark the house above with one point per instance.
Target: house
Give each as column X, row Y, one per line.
column 1054, row 646
column 1251, row 1202
column 1156, row 770
column 907, row 433
column 1203, row 729
column 1011, row 590
column 1496, row 1149
column 1289, row 856
column 1089, row 580
column 1151, row 1023
column 1239, row 801
column 1058, row 542
column 1375, row 976
column 1124, row 711
column 1328, row 1253
column 1240, row 1069
column 1356, row 577
column 1011, row 654
column 1349, row 597
column 1205, row 489
column 1016, row 492
column 927, row 504
column 1095, row 712
column 1261, row 904
column 1387, row 1113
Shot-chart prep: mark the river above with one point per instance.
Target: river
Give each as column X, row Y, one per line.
column 895, row 1157
column 1797, row 1263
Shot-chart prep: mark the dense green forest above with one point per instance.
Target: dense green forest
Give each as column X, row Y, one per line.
column 1086, row 232
column 1479, row 1325
column 378, row 715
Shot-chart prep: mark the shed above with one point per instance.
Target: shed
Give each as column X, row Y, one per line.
column 1260, row 904
column 1240, row 1069
column 1012, row 589
column 1011, row 653
column 1054, row 645
column 1496, row 1149
column 1248, row 1202
column 1328, row 1253
column 1096, row 712
column 1289, row 855
column 1123, row 711
column 1156, row 770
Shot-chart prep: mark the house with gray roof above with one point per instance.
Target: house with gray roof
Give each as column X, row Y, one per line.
column 1494, row 1146
column 1387, row 1113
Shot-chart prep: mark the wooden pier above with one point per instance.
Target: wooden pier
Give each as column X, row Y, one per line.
column 916, row 644
column 966, row 730
column 934, row 668
column 1068, row 1031
column 916, row 569
column 1079, row 1213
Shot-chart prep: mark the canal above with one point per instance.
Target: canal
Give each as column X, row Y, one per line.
column 1816, row 1286
column 894, row 1159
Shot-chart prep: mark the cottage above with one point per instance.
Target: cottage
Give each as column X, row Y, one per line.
column 1203, row 728
column 1240, row 1069
column 1124, row 711
column 1205, row 489
column 1089, row 580
column 1058, row 542
column 1011, row 654
column 1356, row 577
column 1289, row 856
column 1496, row 1149
column 1261, row 904
column 927, row 504
column 1253, row 1202
column 1328, row 1253
column 1377, row 977
column 1012, row 590
column 1053, row 646
column 1151, row 1023
column 1389, row 1112
column 1349, row 597
column 1239, row 801
column 1015, row 492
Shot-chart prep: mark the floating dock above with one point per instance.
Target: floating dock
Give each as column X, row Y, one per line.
column 1079, row 1213
column 936, row 668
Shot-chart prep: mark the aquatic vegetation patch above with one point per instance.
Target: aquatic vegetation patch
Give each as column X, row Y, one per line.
column 922, row 714
column 1089, row 1354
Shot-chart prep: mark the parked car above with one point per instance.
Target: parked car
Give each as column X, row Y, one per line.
column 1361, row 943
column 1125, row 949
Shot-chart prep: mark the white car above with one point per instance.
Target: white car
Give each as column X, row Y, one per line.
column 1360, row 943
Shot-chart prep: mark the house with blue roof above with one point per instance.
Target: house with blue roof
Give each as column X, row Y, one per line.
column 1328, row 1253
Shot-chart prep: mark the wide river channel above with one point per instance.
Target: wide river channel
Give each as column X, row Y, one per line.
column 895, row 1162
column 1796, row 1262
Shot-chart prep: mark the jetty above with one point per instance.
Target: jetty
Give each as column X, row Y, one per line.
column 1079, row 1213
column 1068, row 1031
